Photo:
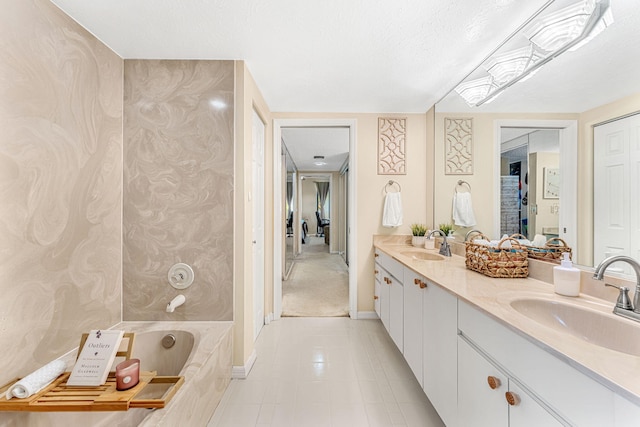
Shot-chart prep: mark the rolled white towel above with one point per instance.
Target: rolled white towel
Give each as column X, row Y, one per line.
column 37, row 380
column 484, row 242
column 539, row 240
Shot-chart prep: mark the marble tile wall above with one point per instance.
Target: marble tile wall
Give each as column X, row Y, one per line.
column 178, row 187
column 60, row 185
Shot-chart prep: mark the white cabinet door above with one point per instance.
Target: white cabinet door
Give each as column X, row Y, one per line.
column 413, row 321
column 376, row 298
column 385, row 295
column 478, row 404
column 488, row 397
column 527, row 412
column 576, row 397
column 439, row 340
column 396, row 309
column 391, row 296
column 376, row 289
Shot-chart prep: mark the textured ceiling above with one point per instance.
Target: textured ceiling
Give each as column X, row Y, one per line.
column 305, row 143
column 317, row 56
column 367, row 55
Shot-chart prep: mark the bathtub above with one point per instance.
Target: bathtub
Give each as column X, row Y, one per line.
column 201, row 353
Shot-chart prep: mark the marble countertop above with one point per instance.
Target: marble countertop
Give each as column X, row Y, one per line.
column 616, row 370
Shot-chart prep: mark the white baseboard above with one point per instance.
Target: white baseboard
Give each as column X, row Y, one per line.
column 365, row 315
column 241, row 372
column 268, row 318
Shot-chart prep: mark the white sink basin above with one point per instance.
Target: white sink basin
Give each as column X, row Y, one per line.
column 422, row 255
column 596, row 327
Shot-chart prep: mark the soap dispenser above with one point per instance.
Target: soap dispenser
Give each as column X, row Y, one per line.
column 566, row 278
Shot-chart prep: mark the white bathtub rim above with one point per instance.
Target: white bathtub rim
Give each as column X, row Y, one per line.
column 206, row 335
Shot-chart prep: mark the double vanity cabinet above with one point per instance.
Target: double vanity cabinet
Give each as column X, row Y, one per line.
column 475, row 367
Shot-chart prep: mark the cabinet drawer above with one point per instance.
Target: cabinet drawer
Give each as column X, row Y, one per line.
column 570, row 393
column 395, row 268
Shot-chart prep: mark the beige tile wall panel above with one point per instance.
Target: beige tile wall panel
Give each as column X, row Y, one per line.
column 178, row 187
column 60, row 185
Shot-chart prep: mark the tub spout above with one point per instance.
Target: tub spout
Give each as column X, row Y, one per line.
column 175, row 303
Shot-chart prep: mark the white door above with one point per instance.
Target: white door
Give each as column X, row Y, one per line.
column 616, row 154
column 258, row 223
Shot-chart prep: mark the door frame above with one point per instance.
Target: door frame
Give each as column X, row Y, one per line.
column 278, row 219
column 568, row 215
column 258, row 148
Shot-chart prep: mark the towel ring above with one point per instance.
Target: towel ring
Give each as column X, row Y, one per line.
column 390, row 184
column 460, row 183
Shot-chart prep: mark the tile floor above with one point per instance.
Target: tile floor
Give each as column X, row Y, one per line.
column 333, row 372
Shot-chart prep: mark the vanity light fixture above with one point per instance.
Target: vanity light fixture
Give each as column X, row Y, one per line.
column 509, row 65
column 578, row 22
column 547, row 35
column 474, row 91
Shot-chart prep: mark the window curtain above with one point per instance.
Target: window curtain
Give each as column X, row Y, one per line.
column 323, row 191
column 289, row 198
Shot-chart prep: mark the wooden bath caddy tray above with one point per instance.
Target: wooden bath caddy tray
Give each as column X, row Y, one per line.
column 152, row 392
column 58, row 396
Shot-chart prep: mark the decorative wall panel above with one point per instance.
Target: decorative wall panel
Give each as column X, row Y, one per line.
column 178, row 187
column 61, row 188
column 458, row 146
column 392, row 138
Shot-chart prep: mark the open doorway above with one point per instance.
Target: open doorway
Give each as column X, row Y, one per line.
column 318, row 216
column 318, row 285
column 536, row 178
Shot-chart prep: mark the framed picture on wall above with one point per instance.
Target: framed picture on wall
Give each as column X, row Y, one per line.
column 551, row 183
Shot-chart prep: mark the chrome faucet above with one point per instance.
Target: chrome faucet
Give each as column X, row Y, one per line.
column 623, row 307
column 470, row 232
column 444, row 247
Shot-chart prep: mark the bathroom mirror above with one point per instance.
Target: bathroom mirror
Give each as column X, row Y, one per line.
column 595, row 84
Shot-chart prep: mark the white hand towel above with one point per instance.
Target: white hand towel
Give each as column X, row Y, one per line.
column 463, row 210
column 37, row 380
column 392, row 215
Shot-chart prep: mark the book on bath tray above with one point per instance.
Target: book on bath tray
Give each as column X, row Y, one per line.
column 95, row 359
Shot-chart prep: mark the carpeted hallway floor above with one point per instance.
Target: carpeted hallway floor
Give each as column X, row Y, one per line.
column 318, row 285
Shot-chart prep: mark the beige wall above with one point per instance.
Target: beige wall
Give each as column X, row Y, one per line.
column 308, row 203
column 60, row 182
column 546, row 217
column 178, row 187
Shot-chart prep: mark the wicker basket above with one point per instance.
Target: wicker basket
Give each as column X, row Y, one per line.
column 497, row 261
column 551, row 251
